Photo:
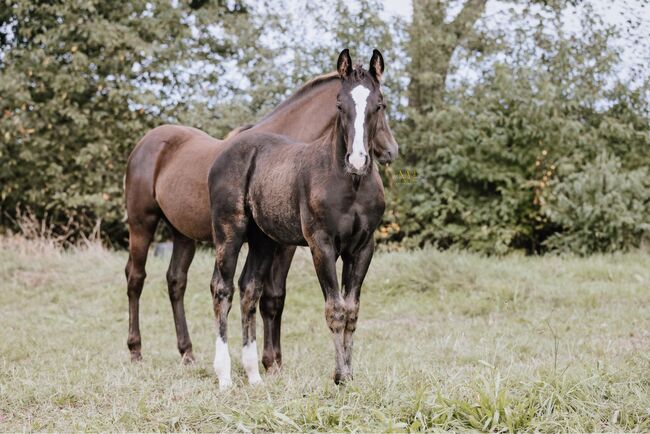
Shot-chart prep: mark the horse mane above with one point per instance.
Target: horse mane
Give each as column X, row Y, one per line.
column 302, row 90
column 238, row 130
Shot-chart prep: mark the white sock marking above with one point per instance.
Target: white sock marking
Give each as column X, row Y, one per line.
column 249, row 361
column 360, row 97
column 222, row 364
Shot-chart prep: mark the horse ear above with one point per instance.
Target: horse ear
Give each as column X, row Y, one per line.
column 376, row 65
column 344, row 64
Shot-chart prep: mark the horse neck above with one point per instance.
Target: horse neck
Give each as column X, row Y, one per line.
column 306, row 115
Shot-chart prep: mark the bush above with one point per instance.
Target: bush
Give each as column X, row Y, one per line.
column 601, row 208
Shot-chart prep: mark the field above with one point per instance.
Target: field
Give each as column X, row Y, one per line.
column 447, row 340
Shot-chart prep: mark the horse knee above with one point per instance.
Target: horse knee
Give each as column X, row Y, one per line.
column 220, row 290
column 352, row 314
column 250, row 292
column 335, row 315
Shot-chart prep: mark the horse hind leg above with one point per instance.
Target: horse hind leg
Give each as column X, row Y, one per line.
column 182, row 255
column 260, row 257
column 272, row 305
column 141, row 232
column 228, row 239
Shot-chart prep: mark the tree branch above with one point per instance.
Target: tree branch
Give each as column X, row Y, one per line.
column 471, row 12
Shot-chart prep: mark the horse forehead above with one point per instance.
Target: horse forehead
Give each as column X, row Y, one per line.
column 360, row 95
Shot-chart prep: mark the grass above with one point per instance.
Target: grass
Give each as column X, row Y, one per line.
column 445, row 341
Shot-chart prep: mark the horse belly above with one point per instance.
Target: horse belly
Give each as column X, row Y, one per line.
column 275, row 212
column 182, row 189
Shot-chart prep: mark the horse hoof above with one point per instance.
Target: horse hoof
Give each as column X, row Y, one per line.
column 224, row 385
column 255, row 381
column 342, row 378
column 136, row 357
column 188, row 358
column 273, row 369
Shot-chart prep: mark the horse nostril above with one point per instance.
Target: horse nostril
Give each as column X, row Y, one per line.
column 357, row 160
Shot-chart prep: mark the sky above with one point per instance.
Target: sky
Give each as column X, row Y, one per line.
column 615, row 12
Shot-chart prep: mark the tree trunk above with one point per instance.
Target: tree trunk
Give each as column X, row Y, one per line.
column 431, row 46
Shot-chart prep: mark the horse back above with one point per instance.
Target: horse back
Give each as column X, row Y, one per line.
column 152, row 178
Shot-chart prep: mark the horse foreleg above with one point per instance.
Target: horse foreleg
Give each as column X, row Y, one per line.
column 355, row 267
column 324, row 257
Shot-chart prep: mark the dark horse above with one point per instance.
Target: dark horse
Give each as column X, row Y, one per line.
column 166, row 178
column 274, row 191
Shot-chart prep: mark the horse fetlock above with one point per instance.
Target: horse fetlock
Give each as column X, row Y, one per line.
column 342, row 375
column 134, row 348
column 187, row 358
column 268, row 359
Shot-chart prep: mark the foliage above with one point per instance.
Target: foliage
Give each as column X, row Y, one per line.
column 76, row 81
column 601, row 208
column 489, row 111
column 485, row 155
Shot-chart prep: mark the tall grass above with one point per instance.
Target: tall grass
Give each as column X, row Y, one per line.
column 451, row 341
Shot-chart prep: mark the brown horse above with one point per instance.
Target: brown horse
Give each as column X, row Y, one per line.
column 272, row 191
column 166, row 178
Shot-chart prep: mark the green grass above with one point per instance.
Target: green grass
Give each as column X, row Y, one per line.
column 444, row 341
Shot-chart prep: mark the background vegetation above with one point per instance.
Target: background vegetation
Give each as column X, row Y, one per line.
column 518, row 131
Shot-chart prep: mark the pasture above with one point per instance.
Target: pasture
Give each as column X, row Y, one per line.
column 444, row 341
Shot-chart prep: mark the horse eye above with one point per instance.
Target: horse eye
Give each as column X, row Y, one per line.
column 338, row 106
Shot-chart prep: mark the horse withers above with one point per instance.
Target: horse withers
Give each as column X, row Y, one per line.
column 273, row 191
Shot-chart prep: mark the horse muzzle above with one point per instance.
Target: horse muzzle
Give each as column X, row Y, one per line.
column 357, row 163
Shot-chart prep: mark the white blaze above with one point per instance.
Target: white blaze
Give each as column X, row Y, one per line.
column 249, row 361
column 360, row 97
column 222, row 364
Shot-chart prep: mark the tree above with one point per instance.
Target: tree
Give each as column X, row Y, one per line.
column 432, row 42
column 78, row 82
column 489, row 158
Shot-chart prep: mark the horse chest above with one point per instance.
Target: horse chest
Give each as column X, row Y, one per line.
column 350, row 216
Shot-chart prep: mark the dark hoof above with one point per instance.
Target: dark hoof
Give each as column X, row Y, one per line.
column 136, row 357
column 273, row 369
column 342, row 378
column 188, row 358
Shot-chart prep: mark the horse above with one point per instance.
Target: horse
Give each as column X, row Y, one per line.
column 274, row 191
column 166, row 179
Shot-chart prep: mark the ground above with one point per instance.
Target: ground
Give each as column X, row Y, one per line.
column 444, row 341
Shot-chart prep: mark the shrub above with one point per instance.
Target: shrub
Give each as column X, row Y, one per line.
column 601, row 208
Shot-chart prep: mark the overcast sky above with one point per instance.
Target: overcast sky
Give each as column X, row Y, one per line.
column 616, row 12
